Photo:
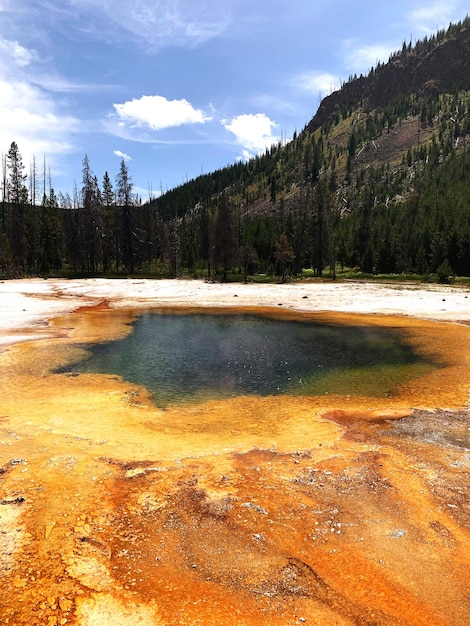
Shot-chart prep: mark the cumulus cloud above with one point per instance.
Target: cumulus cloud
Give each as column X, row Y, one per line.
column 158, row 113
column 316, row 82
column 122, row 155
column 254, row 133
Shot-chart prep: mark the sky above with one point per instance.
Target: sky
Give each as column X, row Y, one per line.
column 177, row 88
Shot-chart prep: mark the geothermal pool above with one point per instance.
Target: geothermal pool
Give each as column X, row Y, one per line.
column 254, row 509
column 195, row 357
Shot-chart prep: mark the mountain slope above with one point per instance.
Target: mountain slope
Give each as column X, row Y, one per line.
column 437, row 65
column 345, row 188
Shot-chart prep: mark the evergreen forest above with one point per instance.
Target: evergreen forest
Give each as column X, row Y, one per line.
column 377, row 183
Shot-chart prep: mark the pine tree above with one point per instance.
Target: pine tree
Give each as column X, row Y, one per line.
column 174, row 251
column 51, row 237
column 283, row 255
column 110, row 224
column 224, row 246
column 17, row 190
column 108, row 191
column 124, row 186
column 91, row 223
column 125, row 200
column 17, row 196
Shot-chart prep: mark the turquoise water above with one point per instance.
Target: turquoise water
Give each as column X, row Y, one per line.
column 196, row 357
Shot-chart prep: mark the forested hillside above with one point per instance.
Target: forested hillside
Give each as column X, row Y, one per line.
column 378, row 182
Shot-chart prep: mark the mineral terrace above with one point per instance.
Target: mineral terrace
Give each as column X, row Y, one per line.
column 331, row 510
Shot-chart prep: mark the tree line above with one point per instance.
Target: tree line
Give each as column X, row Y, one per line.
column 102, row 228
column 412, row 219
column 326, row 201
column 105, row 229
column 328, row 208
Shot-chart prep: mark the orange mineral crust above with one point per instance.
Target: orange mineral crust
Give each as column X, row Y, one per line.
column 281, row 510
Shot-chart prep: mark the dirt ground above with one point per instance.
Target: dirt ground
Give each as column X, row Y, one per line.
column 281, row 510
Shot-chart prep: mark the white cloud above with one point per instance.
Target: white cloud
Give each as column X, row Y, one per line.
column 20, row 63
column 158, row 23
column 146, row 193
column 54, row 82
column 12, row 52
column 29, row 114
column 122, row 155
column 362, row 58
column 422, row 20
column 29, row 117
column 316, row 82
column 254, row 133
column 158, row 113
column 429, row 18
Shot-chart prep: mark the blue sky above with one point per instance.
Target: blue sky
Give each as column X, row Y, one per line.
column 182, row 87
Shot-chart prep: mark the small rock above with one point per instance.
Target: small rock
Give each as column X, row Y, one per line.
column 65, row 604
column 255, row 507
column 49, row 527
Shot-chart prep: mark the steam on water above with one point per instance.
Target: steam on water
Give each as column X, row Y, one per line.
column 193, row 357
